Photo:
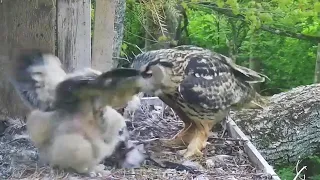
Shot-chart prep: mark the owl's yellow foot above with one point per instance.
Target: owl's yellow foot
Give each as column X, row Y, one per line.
column 196, row 145
column 182, row 138
column 188, row 153
column 199, row 139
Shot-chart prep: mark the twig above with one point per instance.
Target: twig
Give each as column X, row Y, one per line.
column 227, row 139
column 136, row 46
column 300, row 171
column 145, row 141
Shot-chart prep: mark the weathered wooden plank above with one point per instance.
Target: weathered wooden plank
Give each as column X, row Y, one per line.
column 103, row 35
column 74, row 33
column 252, row 152
column 23, row 24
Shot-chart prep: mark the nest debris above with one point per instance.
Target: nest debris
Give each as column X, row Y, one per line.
column 224, row 157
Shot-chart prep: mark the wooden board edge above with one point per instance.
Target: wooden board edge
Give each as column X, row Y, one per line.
column 254, row 155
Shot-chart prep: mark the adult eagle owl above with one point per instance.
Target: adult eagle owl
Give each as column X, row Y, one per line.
column 201, row 86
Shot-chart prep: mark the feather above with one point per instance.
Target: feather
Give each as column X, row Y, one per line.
column 203, row 78
column 35, row 77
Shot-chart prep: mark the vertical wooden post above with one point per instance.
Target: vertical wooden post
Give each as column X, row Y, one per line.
column 103, row 35
column 74, row 33
column 22, row 24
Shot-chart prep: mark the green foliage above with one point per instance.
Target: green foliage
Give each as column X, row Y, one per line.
column 204, row 32
column 288, row 62
column 133, row 29
column 286, row 173
column 283, row 59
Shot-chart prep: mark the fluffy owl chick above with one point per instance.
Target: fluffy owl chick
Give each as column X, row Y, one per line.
column 200, row 86
column 67, row 126
column 71, row 142
column 127, row 154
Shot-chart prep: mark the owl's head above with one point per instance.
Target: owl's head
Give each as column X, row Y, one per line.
column 155, row 72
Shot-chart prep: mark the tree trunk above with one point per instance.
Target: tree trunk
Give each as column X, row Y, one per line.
column 317, row 69
column 118, row 26
column 286, row 130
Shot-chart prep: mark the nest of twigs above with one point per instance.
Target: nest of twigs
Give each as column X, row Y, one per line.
column 224, row 157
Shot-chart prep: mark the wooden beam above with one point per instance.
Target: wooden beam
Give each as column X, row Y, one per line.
column 103, row 35
column 23, row 24
column 252, row 152
column 74, row 33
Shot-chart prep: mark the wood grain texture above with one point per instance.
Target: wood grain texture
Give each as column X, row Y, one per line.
column 287, row 130
column 74, row 33
column 104, row 33
column 23, row 24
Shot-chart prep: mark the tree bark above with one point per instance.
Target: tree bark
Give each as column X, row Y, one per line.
column 288, row 128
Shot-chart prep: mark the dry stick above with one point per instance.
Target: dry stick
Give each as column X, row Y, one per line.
column 300, row 171
column 297, row 175
column 227, row 139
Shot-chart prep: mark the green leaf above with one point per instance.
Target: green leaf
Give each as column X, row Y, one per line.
column 317, row 7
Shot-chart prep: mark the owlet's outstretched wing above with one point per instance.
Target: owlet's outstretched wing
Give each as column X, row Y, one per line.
column 35, row 77
column 113, row 88
column 43, row 84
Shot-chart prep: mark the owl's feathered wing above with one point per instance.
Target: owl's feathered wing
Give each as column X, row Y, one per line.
column 213, row 81
column 203, row 78
column 42, row 83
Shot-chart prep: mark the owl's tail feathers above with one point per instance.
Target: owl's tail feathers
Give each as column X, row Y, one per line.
column 248, row 75
column 35, row 75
